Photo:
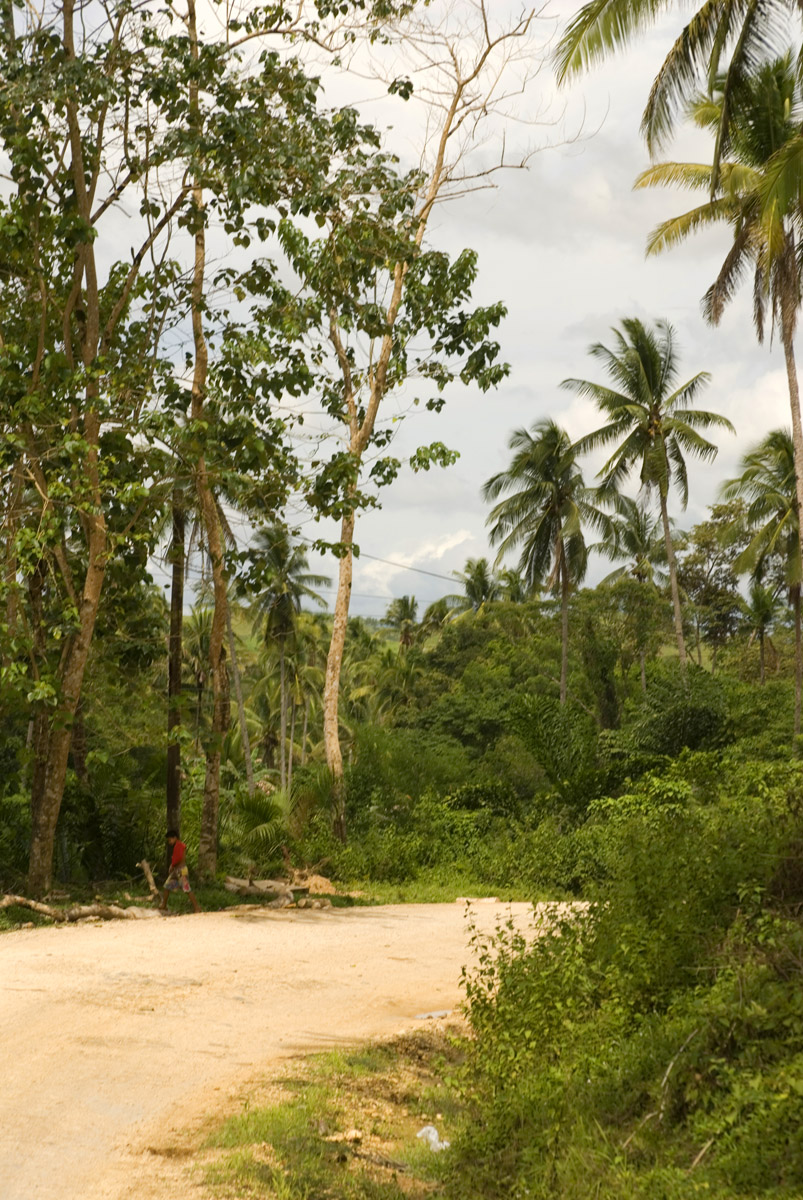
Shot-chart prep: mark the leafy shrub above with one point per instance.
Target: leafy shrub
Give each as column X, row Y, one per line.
column 563, row 741
column 680, row 711
column 651, row 1045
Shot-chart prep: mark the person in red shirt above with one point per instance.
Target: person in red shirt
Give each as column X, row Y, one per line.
column 178, row 876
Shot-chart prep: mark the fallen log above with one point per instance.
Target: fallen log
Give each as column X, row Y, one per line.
column 269, row 889
column 78, row 912
column 144, row 866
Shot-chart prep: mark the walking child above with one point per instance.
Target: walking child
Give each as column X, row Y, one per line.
column 178, row 876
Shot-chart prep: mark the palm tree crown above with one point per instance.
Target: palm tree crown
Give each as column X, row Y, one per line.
column 637, row 537
column 647, row 414
column 285, row 581
column 480, row 586
column 745, row 193
column 543, row 514
column 768, row 482
column 547, row 506
column 650, row 416
column 746, row 31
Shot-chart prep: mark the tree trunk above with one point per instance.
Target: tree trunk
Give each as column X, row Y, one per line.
column 199, row 705
column 564, row 626
column 798, row 658
column 174, row 656
column 282, row 717
column 292, row 743
column 642, row 657
column 304, row 731
column 238, row 691
column 11, row 522
column 45, row 807
column 78, row 746
column 797, row 428
column 761, row 677
column 673, row 583
column 207, row 845
column 334, row 660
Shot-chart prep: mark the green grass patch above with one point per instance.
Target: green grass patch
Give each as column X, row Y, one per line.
column 342, row 1126
column 433, row 885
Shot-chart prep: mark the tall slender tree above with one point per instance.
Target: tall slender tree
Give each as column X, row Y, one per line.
column 768, row 483
column 651, row 419
column 727, row 38
column 280, row 581
column 542, row 516
column 764, row 213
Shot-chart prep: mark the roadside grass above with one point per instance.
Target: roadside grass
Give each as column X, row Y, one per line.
column 434, row 885
column 211, row 897
column 343, row 1127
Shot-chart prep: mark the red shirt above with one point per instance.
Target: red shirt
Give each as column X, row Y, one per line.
column 179, row 851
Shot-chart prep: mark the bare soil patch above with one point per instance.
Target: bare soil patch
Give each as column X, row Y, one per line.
column 122, row 1039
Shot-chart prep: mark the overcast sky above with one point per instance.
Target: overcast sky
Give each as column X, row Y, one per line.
column 563, row 245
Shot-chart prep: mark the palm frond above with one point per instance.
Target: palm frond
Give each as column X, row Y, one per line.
column 676, row 229
column 600, row 27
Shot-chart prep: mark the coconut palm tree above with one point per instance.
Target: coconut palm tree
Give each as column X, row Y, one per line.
column 284, row 581
column 401, row 616
column 734, row 36
column 195, row 652
column 635, row 535
column 768, row 483
column 514, row 588
column 761, row 612
column 753, row 193
column 651, row 422
column 480, row 587
column 546, row 504
column 435, row 617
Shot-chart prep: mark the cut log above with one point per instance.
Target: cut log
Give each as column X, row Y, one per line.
column 144, row 866
column 269, row 889
column 78, row 912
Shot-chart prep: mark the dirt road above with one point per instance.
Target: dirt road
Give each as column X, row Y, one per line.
column 110, row 1033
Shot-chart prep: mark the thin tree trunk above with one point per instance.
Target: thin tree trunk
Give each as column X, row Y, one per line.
column 304, row 731
column 207, row 844
column 643, row 670
column 78, row 746
column 174, row 656
column 45, row 809
column 46, row 806
column 292, row 744
column 564, row 626
column 282, row 717
column 238, row 691
column 798, row 658
column 11, row 523
column 199, row 707
column 797, row 428
column 673, row 583
column 334, row 661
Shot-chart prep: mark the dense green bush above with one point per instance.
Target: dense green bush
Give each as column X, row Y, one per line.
column 650, row 1045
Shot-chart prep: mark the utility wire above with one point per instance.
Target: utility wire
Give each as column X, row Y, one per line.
column 404, row 567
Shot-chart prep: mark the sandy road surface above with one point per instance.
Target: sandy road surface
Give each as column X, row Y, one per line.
column 109, row 1033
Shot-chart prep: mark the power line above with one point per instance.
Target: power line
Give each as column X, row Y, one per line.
column 404, row 567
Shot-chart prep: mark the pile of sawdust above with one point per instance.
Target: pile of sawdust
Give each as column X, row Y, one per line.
column 318, row 885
